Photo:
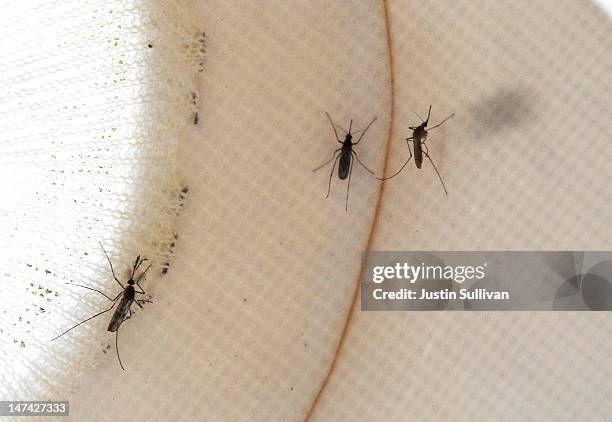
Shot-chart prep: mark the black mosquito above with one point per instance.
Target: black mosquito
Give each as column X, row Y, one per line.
column 127, row 295
column 346, row 156
column 418, row 138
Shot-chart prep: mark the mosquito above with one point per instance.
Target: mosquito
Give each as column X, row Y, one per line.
column 128, row 296
column 346, row 154
column 418, row 138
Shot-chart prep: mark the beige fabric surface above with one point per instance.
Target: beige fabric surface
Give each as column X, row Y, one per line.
column 248, row 321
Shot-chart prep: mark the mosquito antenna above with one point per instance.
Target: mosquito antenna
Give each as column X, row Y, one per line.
column 136, row 267
column 428, row 114
column 350, row 126
column 136, row 264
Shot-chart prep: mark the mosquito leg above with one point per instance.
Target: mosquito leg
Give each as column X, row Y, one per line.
column 402, row 167
column 442, row 122
column 333, row 127
column 85, row 320
column 341, row 128
column 117, row 348
column 363, row 165
column 331, row 175
column 144, row 300
column 435, row 168
column 328, row 161
column 365, row 130
column 111, row 266
column 348, row 186
column 95, row 290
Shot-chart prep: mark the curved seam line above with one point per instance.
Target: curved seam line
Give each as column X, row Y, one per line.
column 375, row 220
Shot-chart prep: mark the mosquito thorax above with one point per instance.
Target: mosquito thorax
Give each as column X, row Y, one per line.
column 420, row 132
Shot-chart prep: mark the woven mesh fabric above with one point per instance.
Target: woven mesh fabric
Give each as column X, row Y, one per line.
column 247, row 322
column 94, row 97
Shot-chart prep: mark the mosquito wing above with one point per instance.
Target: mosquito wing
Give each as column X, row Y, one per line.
column 120, row 314
column 345, row 165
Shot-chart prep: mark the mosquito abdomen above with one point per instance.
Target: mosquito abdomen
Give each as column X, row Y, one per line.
column 418, row 152
column 344, row 165
column 122, row 310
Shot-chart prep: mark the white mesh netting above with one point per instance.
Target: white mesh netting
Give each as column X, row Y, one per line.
column 94, row 97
